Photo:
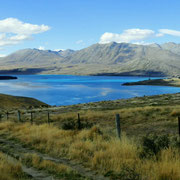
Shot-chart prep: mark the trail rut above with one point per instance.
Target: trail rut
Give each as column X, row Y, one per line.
column 16, row 150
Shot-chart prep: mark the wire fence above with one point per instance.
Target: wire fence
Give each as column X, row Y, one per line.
column 39, row 117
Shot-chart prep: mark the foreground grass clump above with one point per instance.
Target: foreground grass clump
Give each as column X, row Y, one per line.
column 99, row 151
column 10, row 170
column 60, row 170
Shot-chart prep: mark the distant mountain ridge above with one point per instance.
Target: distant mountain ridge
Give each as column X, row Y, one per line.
column 36, row 56
column 99, row 59
column 65, row 53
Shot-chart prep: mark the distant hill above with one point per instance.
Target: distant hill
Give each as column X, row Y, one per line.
column 101, row 59
column 32, row 56
column 121, row 53
column 129, row 59
column 65, row 53
column 36, row 57
column 16, row 102
column 173, row 47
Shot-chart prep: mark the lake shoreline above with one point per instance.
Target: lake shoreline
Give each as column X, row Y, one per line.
column 174, row 82
column 143, row 101
column 65, row 71
column 61, row 90
column 7, row 77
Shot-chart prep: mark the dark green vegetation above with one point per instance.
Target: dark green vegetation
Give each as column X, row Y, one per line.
column 98, row 59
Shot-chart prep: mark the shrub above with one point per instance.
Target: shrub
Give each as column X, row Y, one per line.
column 175, row 142
column 126, row 173
column 153, row 144
column 70, row 124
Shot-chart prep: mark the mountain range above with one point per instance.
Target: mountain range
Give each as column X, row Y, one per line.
column 98, row 59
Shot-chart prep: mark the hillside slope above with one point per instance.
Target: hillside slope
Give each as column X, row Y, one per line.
column 99, row 59
column 32, row 56
column 16, row 102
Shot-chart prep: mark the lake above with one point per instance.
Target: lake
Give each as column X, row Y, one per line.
column 69, row 89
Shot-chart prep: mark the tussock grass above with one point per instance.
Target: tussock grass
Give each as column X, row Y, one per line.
column 10, row 170
column 175, row 112
column 60, row 170
column 134, row 121
column 99, row 151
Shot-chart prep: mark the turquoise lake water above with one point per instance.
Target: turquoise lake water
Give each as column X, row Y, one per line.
column 68, row 89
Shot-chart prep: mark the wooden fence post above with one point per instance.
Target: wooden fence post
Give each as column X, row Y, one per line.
column 79, row 122
column 48, row 118
column 31, row 118
column 19, row 116
column 7, row 115
column 118, row 125
column 179, row 126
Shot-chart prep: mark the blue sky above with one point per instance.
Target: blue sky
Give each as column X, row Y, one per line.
column 76, row 24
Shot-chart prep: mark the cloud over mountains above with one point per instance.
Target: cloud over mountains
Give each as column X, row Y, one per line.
column 14, row 31
column 135, row 35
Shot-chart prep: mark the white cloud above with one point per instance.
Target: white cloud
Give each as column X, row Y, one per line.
column 20, row 37
column 41, row 48
column 2, row 55
column 159, row 34
column 13, row 25
column 142, row 43
column 127, row 36
column 59, row 49
column 169, row 32
column 14, row 31
column 136, row 36
column 5, row 41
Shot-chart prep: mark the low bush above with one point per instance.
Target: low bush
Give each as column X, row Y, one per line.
column 71, row 124
column 126, row 173
column 153, row 144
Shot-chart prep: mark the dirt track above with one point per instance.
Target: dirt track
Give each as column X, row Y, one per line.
column 16, row 150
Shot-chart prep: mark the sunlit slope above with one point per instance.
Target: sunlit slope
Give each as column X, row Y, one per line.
column 15, row 102
column 98, row 59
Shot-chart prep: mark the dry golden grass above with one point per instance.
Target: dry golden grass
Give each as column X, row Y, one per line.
column 134, row 121
column 9, row 102
column 10, row 170
column 60, row 170
column 166, row 168
column 175, row 112
column 97, row 150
